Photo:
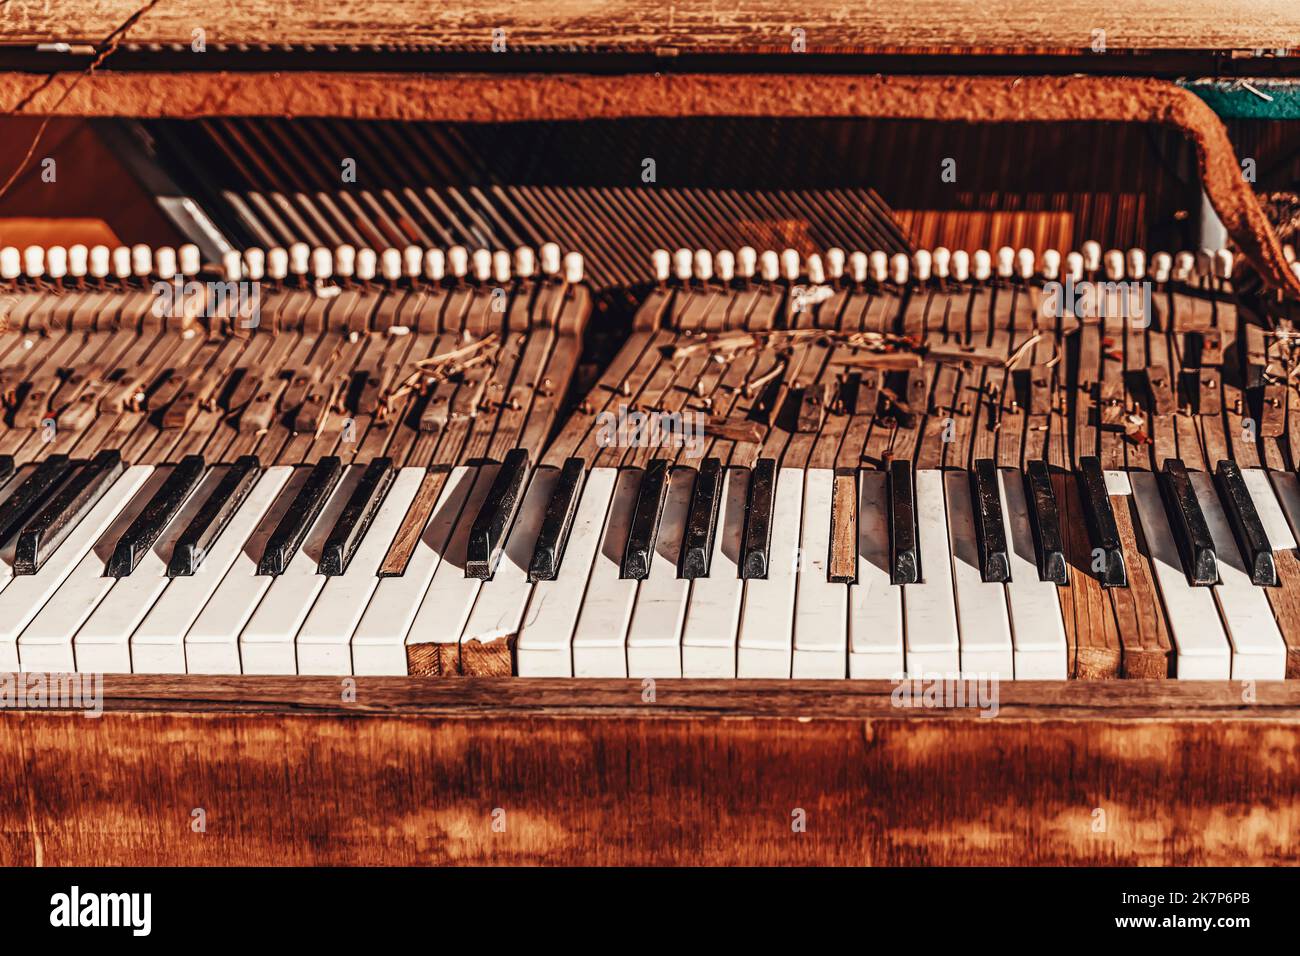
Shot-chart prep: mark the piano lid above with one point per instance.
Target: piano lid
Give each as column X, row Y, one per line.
column 683, row 27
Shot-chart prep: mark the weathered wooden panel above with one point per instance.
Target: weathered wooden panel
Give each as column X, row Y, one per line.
column 412, row 772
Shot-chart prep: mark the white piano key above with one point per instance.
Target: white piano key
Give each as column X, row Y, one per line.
column 158, row 644
column 1037, row 627
column 598, row 639
column 46, row 643
column 1201, row 648
column 821, row 606
column 379, row 642
column 212, row 641
column 1258, row 651
column 103, row 643
column 655, row 631
column 766, row 638
column 499, row 608
column 266, row 643
column 713, row 611
column 446, row 605
column 1275, row 502
column 324, row 639
column 929, row 606
column 1117, row 483
column 983, row 627
column 545, row 646
column 875, row 602
column 25, row 595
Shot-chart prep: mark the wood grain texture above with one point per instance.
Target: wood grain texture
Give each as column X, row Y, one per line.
column 683, row 26
column 287, row 772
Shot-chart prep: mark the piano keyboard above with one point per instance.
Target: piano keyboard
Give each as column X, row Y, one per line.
column 896, row 468
column 660, row 571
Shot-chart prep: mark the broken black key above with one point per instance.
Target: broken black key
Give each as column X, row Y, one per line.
column 39, row 539
column 645, row 520
column 157, row 514
column 289, row 534
column 990, row 531
column 197, row 539
column 1188, row 520
column 756, row 554
column 487, row 536
column 904, row 551
column 1100, row 518
column 1246, row 526
column 345, row 537
column 702, row 520
column 1045, row 521
column 28, row 497
column 557, row 522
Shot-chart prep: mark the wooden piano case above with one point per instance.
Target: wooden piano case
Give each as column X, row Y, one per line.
column 245, row 770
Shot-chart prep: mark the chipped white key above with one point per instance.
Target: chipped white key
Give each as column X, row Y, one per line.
column 25, row 594
column 821, row 606
column 1037, row 628
column 325, row 637
column 266, row 643
column 158, row 644
column 655, row 631
column 875, row 602
column 598, row 640
column 713, row 612
column 379, row 641
column 446, row 605
column 1200, row 645
column 1258, row 651
column 212, row 641
column 545, row 646
column 767, row 615
column 929, row 606
column 983, row 627
column 46, row 643
column 500, row 605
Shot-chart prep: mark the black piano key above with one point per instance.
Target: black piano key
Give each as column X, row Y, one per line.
column 487, row 536
column 28, row 497
column 61, row 513
column 1046, row 523
column 904, row 549
column 345, row 537
column 289, row 534
column 645, row 520
column 702, row 520
column 1188, row 522
column 6, row 468
column 157, row 514
column 756, row 554
column 557, row 522
column 1246, row 526
column 197, row 539
column 1102, row 530
column 990, row 531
